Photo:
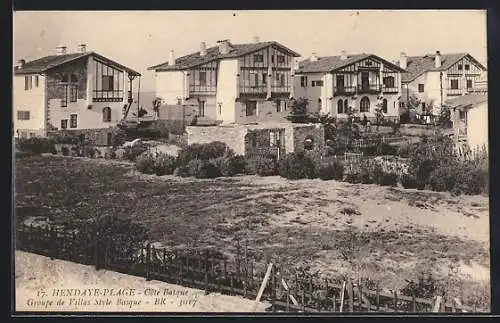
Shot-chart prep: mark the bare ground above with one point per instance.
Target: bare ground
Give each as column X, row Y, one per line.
column 389, row 235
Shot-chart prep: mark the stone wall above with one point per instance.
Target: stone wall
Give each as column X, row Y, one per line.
column 234, row 137
column 96, row 137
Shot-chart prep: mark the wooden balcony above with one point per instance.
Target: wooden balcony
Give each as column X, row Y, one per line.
column 202, row 89
column 344, row 90
column 369, row 88
column 390, row 89
column 454, row 92
column 253, row 89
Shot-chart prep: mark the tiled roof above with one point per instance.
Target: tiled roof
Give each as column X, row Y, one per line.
column 236, row 50
column 48, row 62
column 417, row 65
column 467, row 100
column 331, row 63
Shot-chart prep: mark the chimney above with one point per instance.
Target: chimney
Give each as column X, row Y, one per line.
column 203, row 49
column 61, row 50
column 314, row 57
column 437, row 60
column 256, row 39
column 82, row 48
column 20, row 64
column 223, row 46
column 403, row 60
column 343, row 55
column 171, row 58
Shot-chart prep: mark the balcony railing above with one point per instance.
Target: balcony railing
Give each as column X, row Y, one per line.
column 369, row 88
column 390, row 89
column 454, row 91
column 202, row 89
column 253, row 89
column 344, row 90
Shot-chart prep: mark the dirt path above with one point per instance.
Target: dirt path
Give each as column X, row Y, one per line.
column 35, row 273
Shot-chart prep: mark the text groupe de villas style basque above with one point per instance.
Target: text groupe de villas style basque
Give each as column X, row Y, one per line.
column 100, row 292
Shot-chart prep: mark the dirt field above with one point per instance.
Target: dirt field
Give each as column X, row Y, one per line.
column 388, row 235
column 35, row 273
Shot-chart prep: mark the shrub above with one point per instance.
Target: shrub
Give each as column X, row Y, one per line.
column 404, row 150
column 109, row 153
column 89, row 152
column 65, row 151
column 229, row 166
column 459, row 177
column 36, row 145
column 388, row 179
column 408, row 181
column 164, row 164
column 200, row 168
column 181, row 171
column 296, row 166
column 329, row 170
column 131, row 153
column 212, row 150
column 352, row 175
column 145, row 163
column 262, row 165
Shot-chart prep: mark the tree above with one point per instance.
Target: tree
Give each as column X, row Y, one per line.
column 379, row 115
column 444, row 120
column 298, row 111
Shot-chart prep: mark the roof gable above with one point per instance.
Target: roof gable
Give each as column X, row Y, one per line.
column 418, row 65
column 47, row 63
column 236, row 50
column 333, row 63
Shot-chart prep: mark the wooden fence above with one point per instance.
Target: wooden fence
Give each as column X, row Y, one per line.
column 212, row 272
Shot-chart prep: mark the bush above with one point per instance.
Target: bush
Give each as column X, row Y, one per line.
column 109, row 153
column 460, row 177
column 145, row 163
column 296, row 166
column 164, row 164
column 408, row 181
column 329, row 170
column 229, row 165
column 388, row 179
column 352, row 175
column 200, row 168
column 131, row 153
column 181, row 171
column 262, row 165
column 89, row 152
column 36, row 145
column 65, row 151
column 404, row 150
column 209, row 151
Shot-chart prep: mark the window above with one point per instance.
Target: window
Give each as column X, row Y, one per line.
column 27, row 83
column 251, row 108
column 73, row 94
column 264, row 78
column 368, row 63
column 64, row 100
column 64, row 124
column 308, row 143
column 467, row 67
column 389, row 81
column 280, row 59
column 73, row 78
column 273, row 138
column 317, row 83
column 454, row 84
column 220, row 107
column 179, row 101
column 73, row 121
column 64, row 78
column 281, row 79
column 364, row 105
column 420, row 88
column 106, row 114
column 23, row 115
column 384, row 105
column 201, row 108
column 319, row 104
column 460, row 67
column 340, row 106
column 107, row 83
column 303, row 81
column 258, row 58
column 401, row 104
column 272, row 58
column 36, row 80
column 346, row 105
column 256, row 76
column 339, row 81
column 469, row 84
column 203, row 78
column 283, row 105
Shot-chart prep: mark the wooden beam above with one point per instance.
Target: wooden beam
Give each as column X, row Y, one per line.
column 263, row 286
column 342, row 297
column 285, row 286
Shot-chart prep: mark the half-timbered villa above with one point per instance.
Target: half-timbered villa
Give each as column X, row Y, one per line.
column 230, row 83
column 74, row 91
column 363, row 82
column 435, row 78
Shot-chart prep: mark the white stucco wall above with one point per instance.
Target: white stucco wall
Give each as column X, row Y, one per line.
column 227, row 89
column 477, row 126
column 170, row 85
column 29, row 100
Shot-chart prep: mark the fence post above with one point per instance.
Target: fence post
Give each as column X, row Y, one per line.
column 288, row 300
column 414, row 303
column 377, row 297
column 360, row 292
column 350, row 292
column 395, row 301
column 232, row 283
column 334, row 303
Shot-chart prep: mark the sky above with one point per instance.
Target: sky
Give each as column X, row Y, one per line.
column 139, row 39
